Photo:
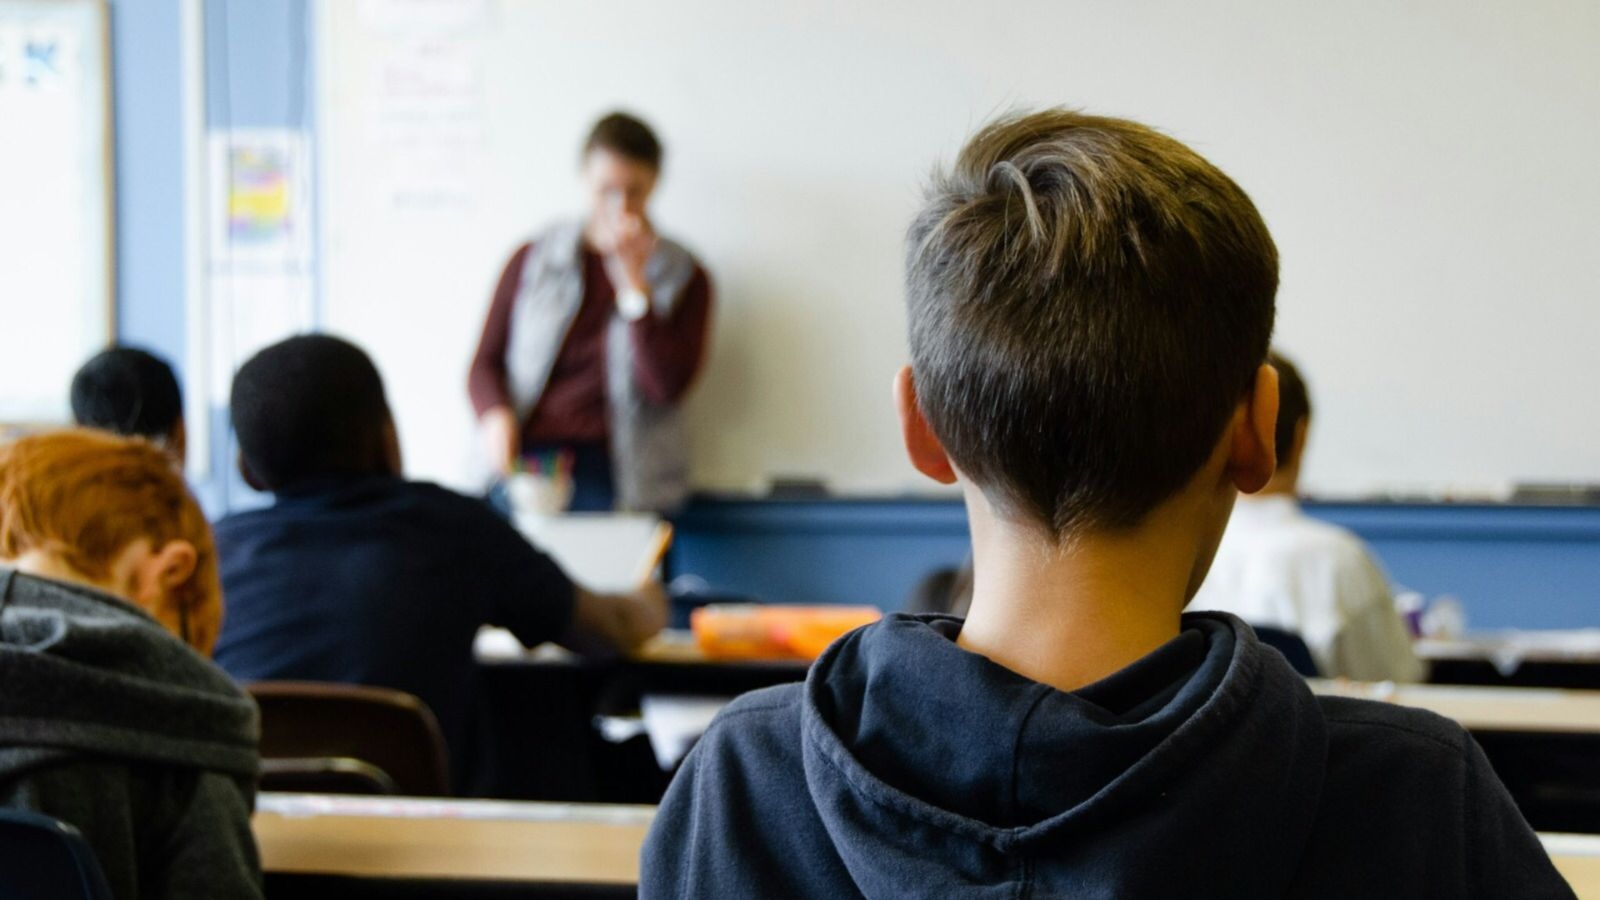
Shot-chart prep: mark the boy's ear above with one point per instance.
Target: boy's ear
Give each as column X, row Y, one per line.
column 393, row 462
column 174, row 564
column 250, row 478
column 178, row 443
column 1254, row 455
column 922, row 445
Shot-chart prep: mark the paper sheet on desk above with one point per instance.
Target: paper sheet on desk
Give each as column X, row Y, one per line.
column 497, row 644
column 601, row 551
column 675, row 722
column 1508, row 650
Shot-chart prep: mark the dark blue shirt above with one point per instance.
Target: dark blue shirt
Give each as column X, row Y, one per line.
column 384, row 582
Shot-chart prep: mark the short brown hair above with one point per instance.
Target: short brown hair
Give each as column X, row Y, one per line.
column 1294, row 405
column 86, row 495
column 626, row 136
column 1089, row 300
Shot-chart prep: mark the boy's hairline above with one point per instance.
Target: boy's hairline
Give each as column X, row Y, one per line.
column 1014, row 512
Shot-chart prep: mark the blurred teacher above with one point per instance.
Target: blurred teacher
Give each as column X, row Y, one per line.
column 597, row 328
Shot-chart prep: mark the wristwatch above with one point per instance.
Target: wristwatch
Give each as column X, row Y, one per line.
column 633, row 304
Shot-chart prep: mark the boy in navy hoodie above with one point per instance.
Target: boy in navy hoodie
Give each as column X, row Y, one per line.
column 1090, row 304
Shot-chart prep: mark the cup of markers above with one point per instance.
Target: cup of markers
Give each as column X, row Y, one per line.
column 541, row 485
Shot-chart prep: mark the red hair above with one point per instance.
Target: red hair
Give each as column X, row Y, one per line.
column 85, row 496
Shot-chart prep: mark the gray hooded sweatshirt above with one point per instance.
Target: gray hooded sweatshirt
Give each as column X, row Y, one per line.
column 110, row 723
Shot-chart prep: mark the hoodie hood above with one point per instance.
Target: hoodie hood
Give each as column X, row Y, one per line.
column 980, row 776
column 86, row 674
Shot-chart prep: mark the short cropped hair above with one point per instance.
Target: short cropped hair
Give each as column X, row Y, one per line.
column 627, row 136
column 1294, row 405
column 85, row 496
column 127, row 391
column 1088, row 301
column 309, row 407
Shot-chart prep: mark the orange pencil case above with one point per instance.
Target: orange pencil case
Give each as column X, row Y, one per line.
column 757, row 631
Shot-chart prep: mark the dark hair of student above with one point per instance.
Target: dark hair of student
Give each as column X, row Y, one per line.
column 1294, row 405
column 307, row 408
column 626, row 136
column 1089, row 300
column 127, row 391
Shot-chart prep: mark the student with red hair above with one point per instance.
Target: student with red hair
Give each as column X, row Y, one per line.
column 112, row 718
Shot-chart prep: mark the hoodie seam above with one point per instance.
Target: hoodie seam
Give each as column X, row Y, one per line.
column 1025, row 879
column 1454, row 746
column 878, row 795
column 1039, row 697
column 727, row 713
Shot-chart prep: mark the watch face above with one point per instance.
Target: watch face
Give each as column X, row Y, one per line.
column 632, row 304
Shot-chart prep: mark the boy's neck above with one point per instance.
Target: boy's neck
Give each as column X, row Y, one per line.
column 1070, row 613
column 44, row 564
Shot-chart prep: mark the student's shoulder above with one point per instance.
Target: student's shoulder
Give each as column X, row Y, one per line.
column 774, row 708
column 244, row 521
column 440, row 500
column 1378, row 729
column 765, row 722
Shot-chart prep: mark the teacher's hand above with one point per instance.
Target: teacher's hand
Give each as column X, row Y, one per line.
column 502, row 437
column 633, row 242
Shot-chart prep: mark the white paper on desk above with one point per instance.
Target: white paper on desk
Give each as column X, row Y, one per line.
column 499, row 645
column 675, row 722
column 1508, row 650
column 601, row 551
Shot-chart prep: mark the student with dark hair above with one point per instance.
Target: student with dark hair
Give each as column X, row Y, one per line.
column 596, row 330
column 1090, row 304
column 131, row 392
column 356, row 575
column 1278, row 567
column 111, row 717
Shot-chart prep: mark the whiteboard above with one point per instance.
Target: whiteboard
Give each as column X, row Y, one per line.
column 55, row 202
column 1426, row 167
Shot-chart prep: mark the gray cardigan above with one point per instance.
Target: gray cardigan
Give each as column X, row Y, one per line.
column 110, row 723
column 648, row 447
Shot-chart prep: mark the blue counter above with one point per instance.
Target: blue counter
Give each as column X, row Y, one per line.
column 1511, row 566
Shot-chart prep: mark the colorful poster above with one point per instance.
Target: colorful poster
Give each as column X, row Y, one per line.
column 260, row 198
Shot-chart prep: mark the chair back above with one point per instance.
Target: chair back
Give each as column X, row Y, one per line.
column 341, row 738
column 1291, row 645
column 42, row 858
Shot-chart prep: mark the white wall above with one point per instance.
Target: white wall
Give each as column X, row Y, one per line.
column 1427, row 168
column 55, row 204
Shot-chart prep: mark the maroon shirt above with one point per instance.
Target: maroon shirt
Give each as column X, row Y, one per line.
column 667, row 353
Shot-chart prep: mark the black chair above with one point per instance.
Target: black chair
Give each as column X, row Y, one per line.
column 42, row 858
column 1292, row 646
column 348, row 739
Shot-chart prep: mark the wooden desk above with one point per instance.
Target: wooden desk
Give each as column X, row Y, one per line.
column 1577, row 858
column 430, row 839
column 1487, row 709
column 401, row 839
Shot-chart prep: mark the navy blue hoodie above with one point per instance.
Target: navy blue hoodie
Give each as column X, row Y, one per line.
column 908, row 767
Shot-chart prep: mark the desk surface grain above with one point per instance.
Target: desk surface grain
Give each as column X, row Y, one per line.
column 543, row 842
column 486, row 840
column 1526, row 710
column 1577, row 857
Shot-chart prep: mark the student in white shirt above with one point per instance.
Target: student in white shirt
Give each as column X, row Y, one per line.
column 1279, row 567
